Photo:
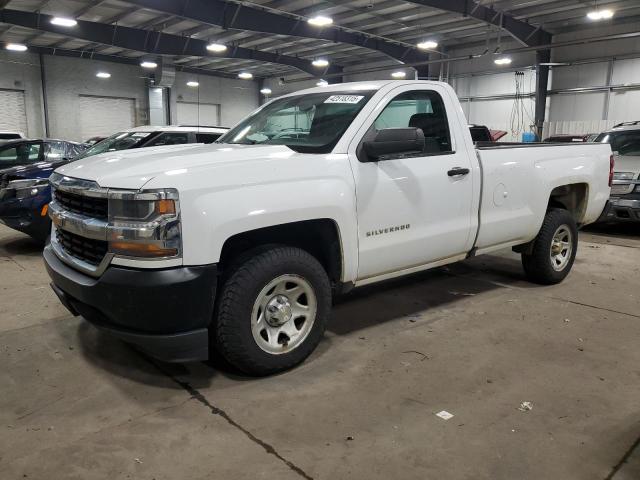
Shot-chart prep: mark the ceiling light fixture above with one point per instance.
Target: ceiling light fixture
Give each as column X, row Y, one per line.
column 322, row 83
column 64, row 22
column 148, row 64
column 245, row 75
column 265, row 91
column 399, row 74
column 216, row 47
column 502, row 61
column 320, row 62
column 604, row 14
column 193, row 84
column 320, row 21
column 103, row 75
column 16, row 47
column 427, row 45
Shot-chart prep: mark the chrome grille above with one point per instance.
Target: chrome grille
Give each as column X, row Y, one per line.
column 86, row 249
column 621, row 189
column 95, row 207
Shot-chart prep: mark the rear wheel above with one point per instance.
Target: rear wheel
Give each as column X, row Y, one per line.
column 553, row 251
column 273, row 311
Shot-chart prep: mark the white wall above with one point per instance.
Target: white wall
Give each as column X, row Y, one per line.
column 236, row 97
column 67, row 78
column 19, row 71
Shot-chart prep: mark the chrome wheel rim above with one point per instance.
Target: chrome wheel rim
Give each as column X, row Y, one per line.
column 561, row 248
column 283, row 314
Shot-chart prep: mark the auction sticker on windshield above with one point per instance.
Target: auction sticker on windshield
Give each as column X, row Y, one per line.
column 344, row 99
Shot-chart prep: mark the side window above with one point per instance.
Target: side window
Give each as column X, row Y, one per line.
column 169, row 138
column 627, row 144
column 23, row 153
column 207, row 137
column 54, row 151
column 420, row 109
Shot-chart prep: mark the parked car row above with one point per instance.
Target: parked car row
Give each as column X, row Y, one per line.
column 26, row 164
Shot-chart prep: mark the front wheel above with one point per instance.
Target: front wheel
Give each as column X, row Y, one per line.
column 273, row 311
column 553, row 251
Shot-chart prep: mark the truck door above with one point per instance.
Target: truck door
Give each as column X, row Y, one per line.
column 417, row 208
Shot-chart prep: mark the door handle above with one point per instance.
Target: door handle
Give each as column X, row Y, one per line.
column 458, row 172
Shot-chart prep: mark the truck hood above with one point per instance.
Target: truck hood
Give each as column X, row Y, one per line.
column 628, row 163
column 132, row 169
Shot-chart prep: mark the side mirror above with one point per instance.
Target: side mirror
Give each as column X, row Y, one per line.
column 391, row 141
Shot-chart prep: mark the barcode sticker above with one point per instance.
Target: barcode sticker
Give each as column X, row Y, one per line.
column 344, row 99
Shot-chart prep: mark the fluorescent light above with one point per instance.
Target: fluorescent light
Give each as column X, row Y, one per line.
column 320, row 62
column 265, row 91
column 103, row 75
column 245, row 75
column 427, row 45
column 399, row 74
column 16, row 47
column 320, row 21
column 502, row 61
column 192, row 83
column 322, row 83
column 216, row 47
column 64, row 22
column 147, row 64
column 600, row 14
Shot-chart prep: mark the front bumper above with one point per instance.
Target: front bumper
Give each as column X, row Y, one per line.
column 622, row 209
column 165, row 313
column 25, row 215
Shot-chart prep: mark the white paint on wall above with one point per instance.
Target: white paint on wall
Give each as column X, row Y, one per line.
column 236, row 98
column 21, row 71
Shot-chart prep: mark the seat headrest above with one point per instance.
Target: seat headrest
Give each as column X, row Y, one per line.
column 419, row 119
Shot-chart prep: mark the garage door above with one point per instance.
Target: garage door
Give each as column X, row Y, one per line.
column 13, row 114
column 104, row 116
column 189, row 113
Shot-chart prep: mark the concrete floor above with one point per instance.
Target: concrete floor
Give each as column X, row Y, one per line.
column 473, row 339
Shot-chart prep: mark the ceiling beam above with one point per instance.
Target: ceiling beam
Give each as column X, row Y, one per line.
column 156, row 43
column 83, row 54
column 233, row 16
column 528, row 35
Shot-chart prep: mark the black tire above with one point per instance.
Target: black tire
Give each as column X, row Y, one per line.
column 538, row 264
column 232, row 332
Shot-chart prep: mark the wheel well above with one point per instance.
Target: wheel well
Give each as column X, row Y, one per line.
column 571, row 197
column 318, row 237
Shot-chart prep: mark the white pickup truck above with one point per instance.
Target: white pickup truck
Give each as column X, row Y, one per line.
column 240, row 245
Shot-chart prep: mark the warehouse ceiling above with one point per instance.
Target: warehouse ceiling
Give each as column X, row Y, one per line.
column 273, row 38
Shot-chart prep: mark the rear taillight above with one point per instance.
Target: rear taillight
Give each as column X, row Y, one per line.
column 612, row 164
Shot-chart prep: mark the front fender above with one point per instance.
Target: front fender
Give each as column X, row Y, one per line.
column 209, row 218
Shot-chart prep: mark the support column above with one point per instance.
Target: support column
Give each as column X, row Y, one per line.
column 45, row 101
column 542, row 85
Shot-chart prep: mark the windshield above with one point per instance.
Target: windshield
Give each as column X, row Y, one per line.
column 622, row 143
column 119, row 141
column 311, row 123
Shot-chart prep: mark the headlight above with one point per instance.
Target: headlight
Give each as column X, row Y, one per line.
column 145, row 224
column 28, row 188
column 623, row 175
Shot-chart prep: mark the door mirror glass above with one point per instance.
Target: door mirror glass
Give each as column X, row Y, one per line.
column 393, row 142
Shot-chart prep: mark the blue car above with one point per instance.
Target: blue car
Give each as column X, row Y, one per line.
column 24, row 187
column 24, row 198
